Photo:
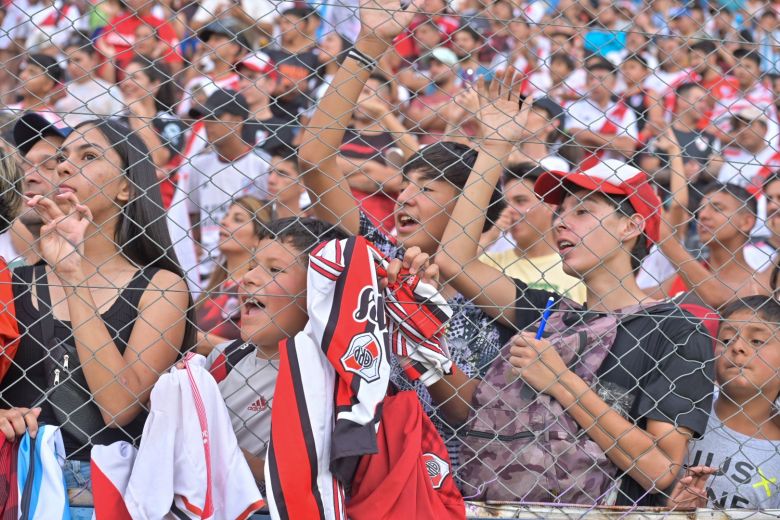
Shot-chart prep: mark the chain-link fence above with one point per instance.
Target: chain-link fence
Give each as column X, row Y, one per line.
column 576, row 205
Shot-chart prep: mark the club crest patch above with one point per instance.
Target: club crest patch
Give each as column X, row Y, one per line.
column 363, row 357
column 437, row 469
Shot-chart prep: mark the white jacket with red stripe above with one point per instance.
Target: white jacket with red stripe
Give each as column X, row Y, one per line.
column 189, row 457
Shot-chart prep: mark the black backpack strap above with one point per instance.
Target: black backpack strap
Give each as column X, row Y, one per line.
column 229, row 358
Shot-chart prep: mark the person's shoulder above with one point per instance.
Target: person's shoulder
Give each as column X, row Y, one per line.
column 216, row 352
column 165, row 280
column 167, row 116
column 205, row 160
column 670, row 326
column 258, row 156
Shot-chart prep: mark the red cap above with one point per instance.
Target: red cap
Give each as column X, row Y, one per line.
column 259, row 62
column 611, row 177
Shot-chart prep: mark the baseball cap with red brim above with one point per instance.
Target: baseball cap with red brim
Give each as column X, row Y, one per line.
column 259, row 62
column 610, row 177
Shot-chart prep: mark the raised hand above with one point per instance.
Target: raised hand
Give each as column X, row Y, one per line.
column 417, row 262
column 667, row 141
column 62, row 235
column 464, row 106
column 383, row 20
column 503, row 115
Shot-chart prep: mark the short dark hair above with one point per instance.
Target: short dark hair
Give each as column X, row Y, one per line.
column 475, row 34
column 683, row 89
column 563, row 57
column 300, row 12
column 82, row 42
column 599, row 63
column 737, row 192
column 705, row 46
column 304, row 234
column 384, row 82
column 748, row 54
column 638, row 59
column 523, row 171
column 452, row 162
column 159, row 72
column 287, row 154
column 765, row 307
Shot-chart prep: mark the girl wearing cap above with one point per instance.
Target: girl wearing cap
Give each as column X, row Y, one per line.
column 649, row 396
column 106, row 312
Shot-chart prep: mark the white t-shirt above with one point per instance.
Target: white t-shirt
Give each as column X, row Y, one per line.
column 741, row 167
column 759, row 97
column 656, row 268
column 209, row 86
column 15, row 16
column 50, row 25
column 663, row 82
column 214, row 184
column 265, row 10
column 749, row 467
column 84, row 101
column 585, row 114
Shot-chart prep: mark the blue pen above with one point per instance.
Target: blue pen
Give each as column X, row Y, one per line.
column 545, row 317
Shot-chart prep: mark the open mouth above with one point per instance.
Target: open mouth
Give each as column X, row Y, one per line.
column 564, row 246
column 405, row 221
column 251, row 305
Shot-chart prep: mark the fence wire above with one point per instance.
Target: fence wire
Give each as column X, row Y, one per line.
column 592, row 186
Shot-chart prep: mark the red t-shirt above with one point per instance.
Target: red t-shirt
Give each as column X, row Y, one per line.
column 120, row 32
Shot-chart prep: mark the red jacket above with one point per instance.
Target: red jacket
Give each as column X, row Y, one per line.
column 411, row 476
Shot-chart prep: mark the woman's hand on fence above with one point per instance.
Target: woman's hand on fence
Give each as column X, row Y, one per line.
column 690, row 492
column 537, row 362
column 62, row 235
column 14, row 422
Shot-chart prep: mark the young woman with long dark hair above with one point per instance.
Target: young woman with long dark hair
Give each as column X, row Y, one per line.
column 106, row 312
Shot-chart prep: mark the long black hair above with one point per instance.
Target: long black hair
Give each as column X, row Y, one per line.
column 157, row 71
column 141, row 234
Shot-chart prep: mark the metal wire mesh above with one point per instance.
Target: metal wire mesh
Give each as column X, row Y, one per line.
column 619, row 157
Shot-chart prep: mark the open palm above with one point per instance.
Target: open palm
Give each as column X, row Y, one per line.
column 385, row 20
column 503, row 115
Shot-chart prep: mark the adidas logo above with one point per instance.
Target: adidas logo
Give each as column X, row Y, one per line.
column 259, row 405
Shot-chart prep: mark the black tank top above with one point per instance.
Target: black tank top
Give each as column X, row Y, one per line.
column 25, row 382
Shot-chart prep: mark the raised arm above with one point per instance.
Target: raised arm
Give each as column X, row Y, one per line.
column 502, row 121
column 703, row 282
column 318, row 154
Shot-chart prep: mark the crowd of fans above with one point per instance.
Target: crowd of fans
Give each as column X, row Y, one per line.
column 169, row 166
